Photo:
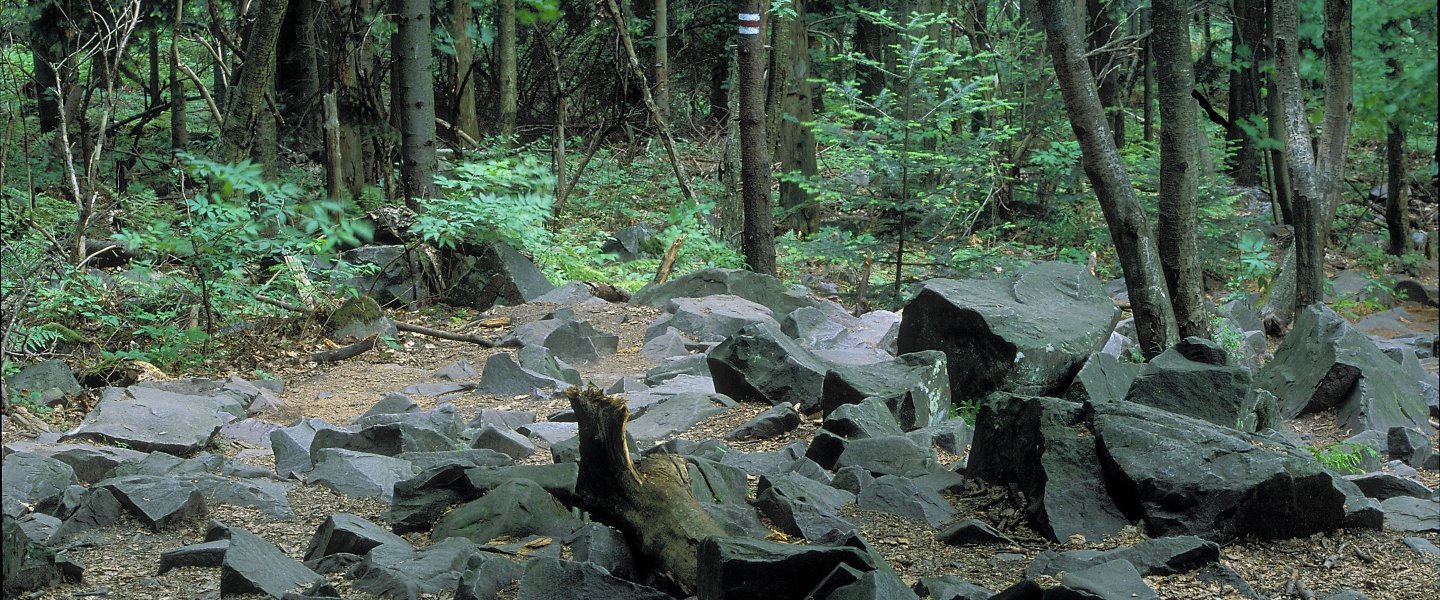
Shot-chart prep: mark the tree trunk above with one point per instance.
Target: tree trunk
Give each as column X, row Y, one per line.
column 1129, row 228
column 662, row 58
column 797, row 141
column 298, row 79
column 1104, row 66
column 505, row 52
column 1247, row 36
column 179, row 132
column 1315, row 179
column 1281, row 191
column 870, row 42
column 757, row 241
column 465, row 118
column 730, row 206
column 1397, row 193
column 1179, row 167
column 255, row 77
column 1148, row 118
column 417, row 98
column 650, row 502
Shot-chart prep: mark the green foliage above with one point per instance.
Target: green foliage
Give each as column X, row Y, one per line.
column 1254, row 268
column 1343, row 458
column 496, row 198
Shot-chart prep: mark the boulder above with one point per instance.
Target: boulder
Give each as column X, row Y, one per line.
column 972, row 531
column 397, row 281
column 675, row 414
column 503, row 376
column 1325, row 363
column 802, row 507
column 868, row 418
column 1028, row 333
column 903, row 497
column 949, row 587
column 604, row 547
column 761, row 363
column 203, row 554
column 1114, row 580
column 151, row 420
column 359, row 318
column 359, row 474
column 1157, row 556
column 388, row 439
column 402, row 572
column 711, row 318
column 29, row 564
column 568, row 339
column 552, row 579
column 558, row 479
column 1193, row 378
column 516, row 509
column 503, row 440
column 632, row 242
column 90, row 463
column 874, row 585
column 1409, row 514
column 1042, row 446
column 1383, row 486
column 33, row 483
column 570, row 294
column 45, row 382
column 494, row 274
column 732, row 567
column 754, row 287
column 255, row 566
column 669, row 344
column 694, row 366
column 887, row 455
column 158, row 502
column 344, row 532
column 915, row 387
column 1182, row 476
column 780, row 419
column 1103, row 377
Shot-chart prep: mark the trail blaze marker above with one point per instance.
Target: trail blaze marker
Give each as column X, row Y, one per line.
column 749, row 24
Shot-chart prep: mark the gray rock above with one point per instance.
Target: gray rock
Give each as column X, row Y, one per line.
column 627, row 384
column 760, row 363
column 865, row 419
column 851, row 479
column 604, row 547
column 915, row 387
column 766, row 463
column 420, row 500
column 903, row 497
column 484, row 582
column 1103, row 377
column 266, row 496
column 569, row 340
column 436, row 389
column 347, row 533
column 1236, row 484
column 1325, row 363
column 972, row 531
column 711, row 318
column 676, row 414
column 255, row 566
column 874, row 585
column 888, row 455
column 29, row 564
column 1357, row 287
column 1419, row 292
column 748, row 568
column 504, row 441
column 1157, row 556
column 1411, row 446
column 1033, row 443
column 387, row 439
column 1206, row 389
column 291, row 446
column 503, row 376
column 761, row 289
column 151, row 420
column 507, row 419
column 550, row 432
column 90, row 463
column 398, row 279
column 551, row 579
column 33, row 483
column 949, row 587
column 204, row 554
column 570, row 294
column 801, row 506
column 1424, row 548
column 158, row 502
column 459, row 370
column 359, row 474
column 632, row 242
column 953, row 436
column 1114, row 580
column 97, row 508
column 1027, row 333
column 1383, row 486
column 498, row 274
column 670, row 344
column 721, row 491
column 515, row 509
column 558, row 479
column 46, row 382
column 409, row 573
column 1409, row 514
column 780, row 419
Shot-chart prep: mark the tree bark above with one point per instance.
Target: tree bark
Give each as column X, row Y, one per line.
column 505, row 49
column 757, row 241
column 1147, row 126
column 650, row 502
column 1104, row 66
column 1129, row 228
column 298, row 80
column 1397, row 192
column 411, row 45
column 1281, row 191
column 465, row 118
column 1247, row 36
column 662, row 57
column 1179, row 170
column 179, row 132
column 797, row 145
column 255, row 78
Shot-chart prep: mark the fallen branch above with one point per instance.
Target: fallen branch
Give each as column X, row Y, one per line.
column 282, row 304
column 345, row 352
column 668, row 262
column 445, row 335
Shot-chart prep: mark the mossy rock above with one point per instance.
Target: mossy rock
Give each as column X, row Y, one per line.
column 359, row 318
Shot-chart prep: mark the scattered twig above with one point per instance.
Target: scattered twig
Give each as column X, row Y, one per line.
column 345, row 352
column 282, row 304
column 445, row 335
column 204, row 92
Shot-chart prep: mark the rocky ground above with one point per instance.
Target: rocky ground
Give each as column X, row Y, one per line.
column 121, row 560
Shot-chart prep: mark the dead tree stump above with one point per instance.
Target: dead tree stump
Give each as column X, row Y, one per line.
column 650, row 502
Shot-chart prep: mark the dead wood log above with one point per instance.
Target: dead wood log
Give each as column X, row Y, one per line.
column 344, row 352
column 650, row 501
column 445, row 335
column 668, row 262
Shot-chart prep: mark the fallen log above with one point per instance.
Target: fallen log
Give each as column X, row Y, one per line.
column 445, row 335
column 344, row 352
column 650, row 501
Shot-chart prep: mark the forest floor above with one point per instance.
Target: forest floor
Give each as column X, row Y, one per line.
column 121, row 564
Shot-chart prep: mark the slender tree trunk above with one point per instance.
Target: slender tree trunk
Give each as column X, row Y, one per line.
column 758, row 238
column 1103, row 67
column 298, row 78
column 417, row 99
column 777, row 74
column 1148, row 120
column 870, row 42
column 797, row 140
column 1281, row 192
column 1315, row 179
column 256, row 77
column 157, row 97
column 662, row 57
column 1246, row 39
column 179, row 132
column 1129, row 228
column 731, row 204
column 465, row 118
column 1397, row 192
column 1179, row 167
column 505, row 50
